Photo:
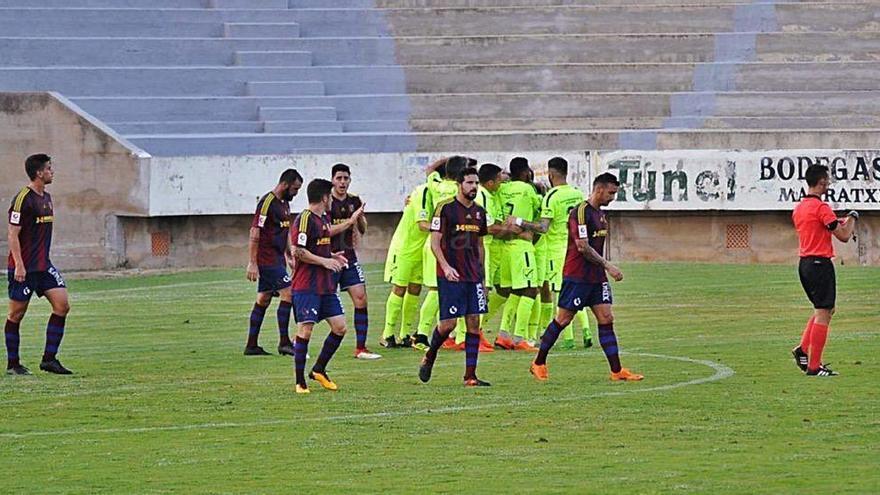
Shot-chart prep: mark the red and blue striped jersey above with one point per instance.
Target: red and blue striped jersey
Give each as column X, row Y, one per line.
column 585, row 222
column 462, row 227
column 273, row 219
column 312, row 232
column 340, row 211
column 34, row 214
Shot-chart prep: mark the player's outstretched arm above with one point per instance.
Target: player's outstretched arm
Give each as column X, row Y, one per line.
column 12, row 233
column 845, row 227
column 430, row 169
column 536, row 227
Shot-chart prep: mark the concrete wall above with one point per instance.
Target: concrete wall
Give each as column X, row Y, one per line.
column 702, row 237
column 221, row 240
column 97, row 175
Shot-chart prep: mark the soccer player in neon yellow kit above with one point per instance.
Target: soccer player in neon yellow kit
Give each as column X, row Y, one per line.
column 403, row 266
column 520, row 202
column 550, row 249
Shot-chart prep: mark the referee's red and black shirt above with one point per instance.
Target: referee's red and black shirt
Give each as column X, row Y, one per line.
column 814, row 220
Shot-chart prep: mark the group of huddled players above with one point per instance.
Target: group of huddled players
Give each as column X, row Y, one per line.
column 481, row 241
column 485, row 240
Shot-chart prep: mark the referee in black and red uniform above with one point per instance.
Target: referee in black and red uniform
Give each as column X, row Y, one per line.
column 816, row 223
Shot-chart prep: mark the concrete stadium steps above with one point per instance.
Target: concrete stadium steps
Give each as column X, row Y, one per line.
column 185, row 127
column 312, row 22
column 273, row 58
column 350, row 80
column 379, row 107
column 230, row 144
column 261, row 30
column 441, row 4
column 106, row 4
column 302, row 126
column 636, row 48
column 631, row 18
column 198, row 81
column 76, row 28
column 121, row 52
column 847, row 121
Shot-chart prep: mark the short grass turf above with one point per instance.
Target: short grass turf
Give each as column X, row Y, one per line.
column 164, row 402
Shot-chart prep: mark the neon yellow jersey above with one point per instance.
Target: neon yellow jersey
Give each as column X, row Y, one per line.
column 441, row 189
column 519, row 199
column 420, row 208
column 487, row 200
column 556, row 206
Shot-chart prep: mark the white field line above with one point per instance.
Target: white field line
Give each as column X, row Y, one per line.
column 721, row 372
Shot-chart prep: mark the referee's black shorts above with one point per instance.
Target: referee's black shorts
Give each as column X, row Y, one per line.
column 817, row 279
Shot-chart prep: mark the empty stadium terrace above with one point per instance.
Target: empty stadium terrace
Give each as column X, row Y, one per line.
column 155, row 89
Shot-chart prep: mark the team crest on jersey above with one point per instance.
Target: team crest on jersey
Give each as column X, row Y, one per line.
column 582, row 231
column 262, row 221
column 15, row 218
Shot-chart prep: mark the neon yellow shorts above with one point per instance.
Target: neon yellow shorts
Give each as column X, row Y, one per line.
column 495, row 256
column 522, row 265
column 391, row 264
column 429, row 266
column 409, row 271
column 542, row 263
column 555, row 265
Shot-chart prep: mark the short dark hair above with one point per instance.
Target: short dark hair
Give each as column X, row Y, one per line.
column 465, row 172
column 35, row 163
column 606, row 179
column 454, row 166
column 558, row 164
column 290, row 176
column 489, row 171
column 472, row 162
column 518, row 166
column 339, row 167
column 815, row 173
column 318, row 188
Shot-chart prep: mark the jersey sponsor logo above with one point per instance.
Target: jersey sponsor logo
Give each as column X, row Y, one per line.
column 323, row 241
column 481, row 298
column 285, row 224
column 261, row 222
column 46, row 219
column 435, row 223
column 360, row 272
column 600, row 233
column 582, row 231
column 467, row 228
column 606, row 292
column 57, row 276
column 15, row 218
column 302, row 239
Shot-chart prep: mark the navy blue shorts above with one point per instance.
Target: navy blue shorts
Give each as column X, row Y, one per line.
column 576, row 296
column 349, row 277
column 313, row 308
column 459, row 299
column 273, row 278
column 34, row 282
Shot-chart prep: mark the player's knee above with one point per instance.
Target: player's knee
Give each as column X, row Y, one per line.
column 15, row 315
column 359, row 300
column 61, row 308
column 398, row 290
column 415, row 289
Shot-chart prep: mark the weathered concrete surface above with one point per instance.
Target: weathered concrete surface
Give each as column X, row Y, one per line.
column 702, row 237
column 221, row 240
column 97, row 176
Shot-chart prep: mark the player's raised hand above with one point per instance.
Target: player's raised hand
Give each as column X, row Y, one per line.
column 20, row 273
column 854, row 214
column 450, row 273
column 251, row 271
column 340, row 257
column 615, row 273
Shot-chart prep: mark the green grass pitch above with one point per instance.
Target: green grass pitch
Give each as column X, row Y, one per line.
column 164, row 402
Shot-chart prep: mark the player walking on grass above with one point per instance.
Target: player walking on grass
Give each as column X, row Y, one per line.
column 584, row 280
column 29, row 269
column 314, row 291
column 456, row 229
column 269, row 256
column 816, row 223
column 351, row 279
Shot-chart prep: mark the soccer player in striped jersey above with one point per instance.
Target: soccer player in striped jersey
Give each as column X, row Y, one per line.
column 584, row 280
column 29, row 268
column 816, row 223
column 269, row 256
column 456, row 229
column 342, row 206
column 314, row 292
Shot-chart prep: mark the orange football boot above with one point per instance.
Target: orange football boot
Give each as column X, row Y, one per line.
column 524, row 346
column 625, row 375
column 505, row 343
column 539, row 371
column 485, row 345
